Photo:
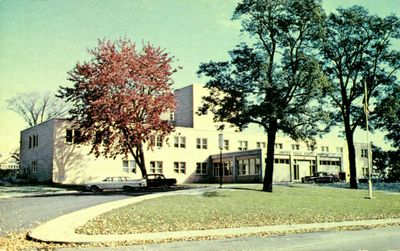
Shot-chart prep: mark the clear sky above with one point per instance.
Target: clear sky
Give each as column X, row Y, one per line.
column 41, row 40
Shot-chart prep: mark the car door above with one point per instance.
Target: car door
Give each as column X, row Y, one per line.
column 117, row 183
column 107, row 183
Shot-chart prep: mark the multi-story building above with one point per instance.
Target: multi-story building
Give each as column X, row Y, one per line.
column 51, row 151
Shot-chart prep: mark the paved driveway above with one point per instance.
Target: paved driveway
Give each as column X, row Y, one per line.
column 25, row 213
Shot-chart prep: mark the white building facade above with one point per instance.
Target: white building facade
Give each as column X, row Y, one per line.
column 50, row 152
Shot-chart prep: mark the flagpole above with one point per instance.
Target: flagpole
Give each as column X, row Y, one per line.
column 366, row 111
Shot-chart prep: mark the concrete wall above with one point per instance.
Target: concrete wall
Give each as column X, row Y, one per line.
column 41, row 153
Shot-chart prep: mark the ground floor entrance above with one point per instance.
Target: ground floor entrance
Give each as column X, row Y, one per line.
column 244, row 166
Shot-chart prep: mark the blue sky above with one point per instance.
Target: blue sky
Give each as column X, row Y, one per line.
column 41, row 40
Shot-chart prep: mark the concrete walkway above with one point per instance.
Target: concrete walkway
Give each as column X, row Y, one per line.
column 62, row 229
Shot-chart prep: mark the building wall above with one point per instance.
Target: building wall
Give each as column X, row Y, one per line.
column 69, row 163
column 72, row 163
column 36, row 151
column 184, row 107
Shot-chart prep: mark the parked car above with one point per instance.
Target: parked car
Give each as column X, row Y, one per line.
column 117, row 183
column 320, row 177
column 159, row 180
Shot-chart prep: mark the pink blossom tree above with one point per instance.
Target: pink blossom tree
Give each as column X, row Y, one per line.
column 118, row 98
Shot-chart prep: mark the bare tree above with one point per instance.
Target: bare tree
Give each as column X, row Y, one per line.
column 37, row 107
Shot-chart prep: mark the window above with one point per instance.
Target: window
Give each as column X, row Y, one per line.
column 365, row 171
column 313, row 166
column 156, row 167
column 180, row 167
column 33, row 141
column 156, row 141
column 324, row 149
column 159, row 141
column 243, row 145
column 227, row 167
column 201, row 143
column 180, row 142
column 73, row 136
column 260, row 144
column 281, row 161
column 172, row 116
column 329, row 162
column 243, row 167
column 248, row 166
column 278, row 146
column 310, row 148
column 128, row 166
column 295, row 147
column 201, row 168
column 34, row 166
column 68, row 136
column 364, row 153
column 226, row 144
column 296, row 170
column 339, row 149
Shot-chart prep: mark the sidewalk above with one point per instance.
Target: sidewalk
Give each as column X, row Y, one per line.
column 62, row 229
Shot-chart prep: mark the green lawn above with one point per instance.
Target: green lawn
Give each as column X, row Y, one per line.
column 245, row 207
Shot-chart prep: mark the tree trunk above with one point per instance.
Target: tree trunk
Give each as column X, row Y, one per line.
column 138, row 155
column 352, row 155
column 269, row 163
column 142, row 165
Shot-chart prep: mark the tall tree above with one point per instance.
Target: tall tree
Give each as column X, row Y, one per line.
column 37, row 107
column 119, row 96
column 357, row 50
column 387, row 164
column 387, row 116
column 276, row 82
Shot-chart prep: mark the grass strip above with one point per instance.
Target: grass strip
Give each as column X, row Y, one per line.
column 245, row 207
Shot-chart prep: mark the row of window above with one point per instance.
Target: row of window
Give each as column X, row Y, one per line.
column 129, row 166
column 321, row 162
column 311, row 148
column 245, row 167
column 74, row 136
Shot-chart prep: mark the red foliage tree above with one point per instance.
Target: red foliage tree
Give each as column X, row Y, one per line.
column 119, row 96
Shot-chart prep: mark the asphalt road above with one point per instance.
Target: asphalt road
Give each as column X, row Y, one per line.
column 373, row 239
column 18, row 214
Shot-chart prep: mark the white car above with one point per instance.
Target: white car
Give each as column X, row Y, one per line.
column 117, row 183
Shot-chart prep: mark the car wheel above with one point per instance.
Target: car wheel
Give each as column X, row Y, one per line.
column 165, row 186
column 95, row 189
column 141, row 188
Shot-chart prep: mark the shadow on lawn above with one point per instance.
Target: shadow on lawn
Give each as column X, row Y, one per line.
column 246, row 189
